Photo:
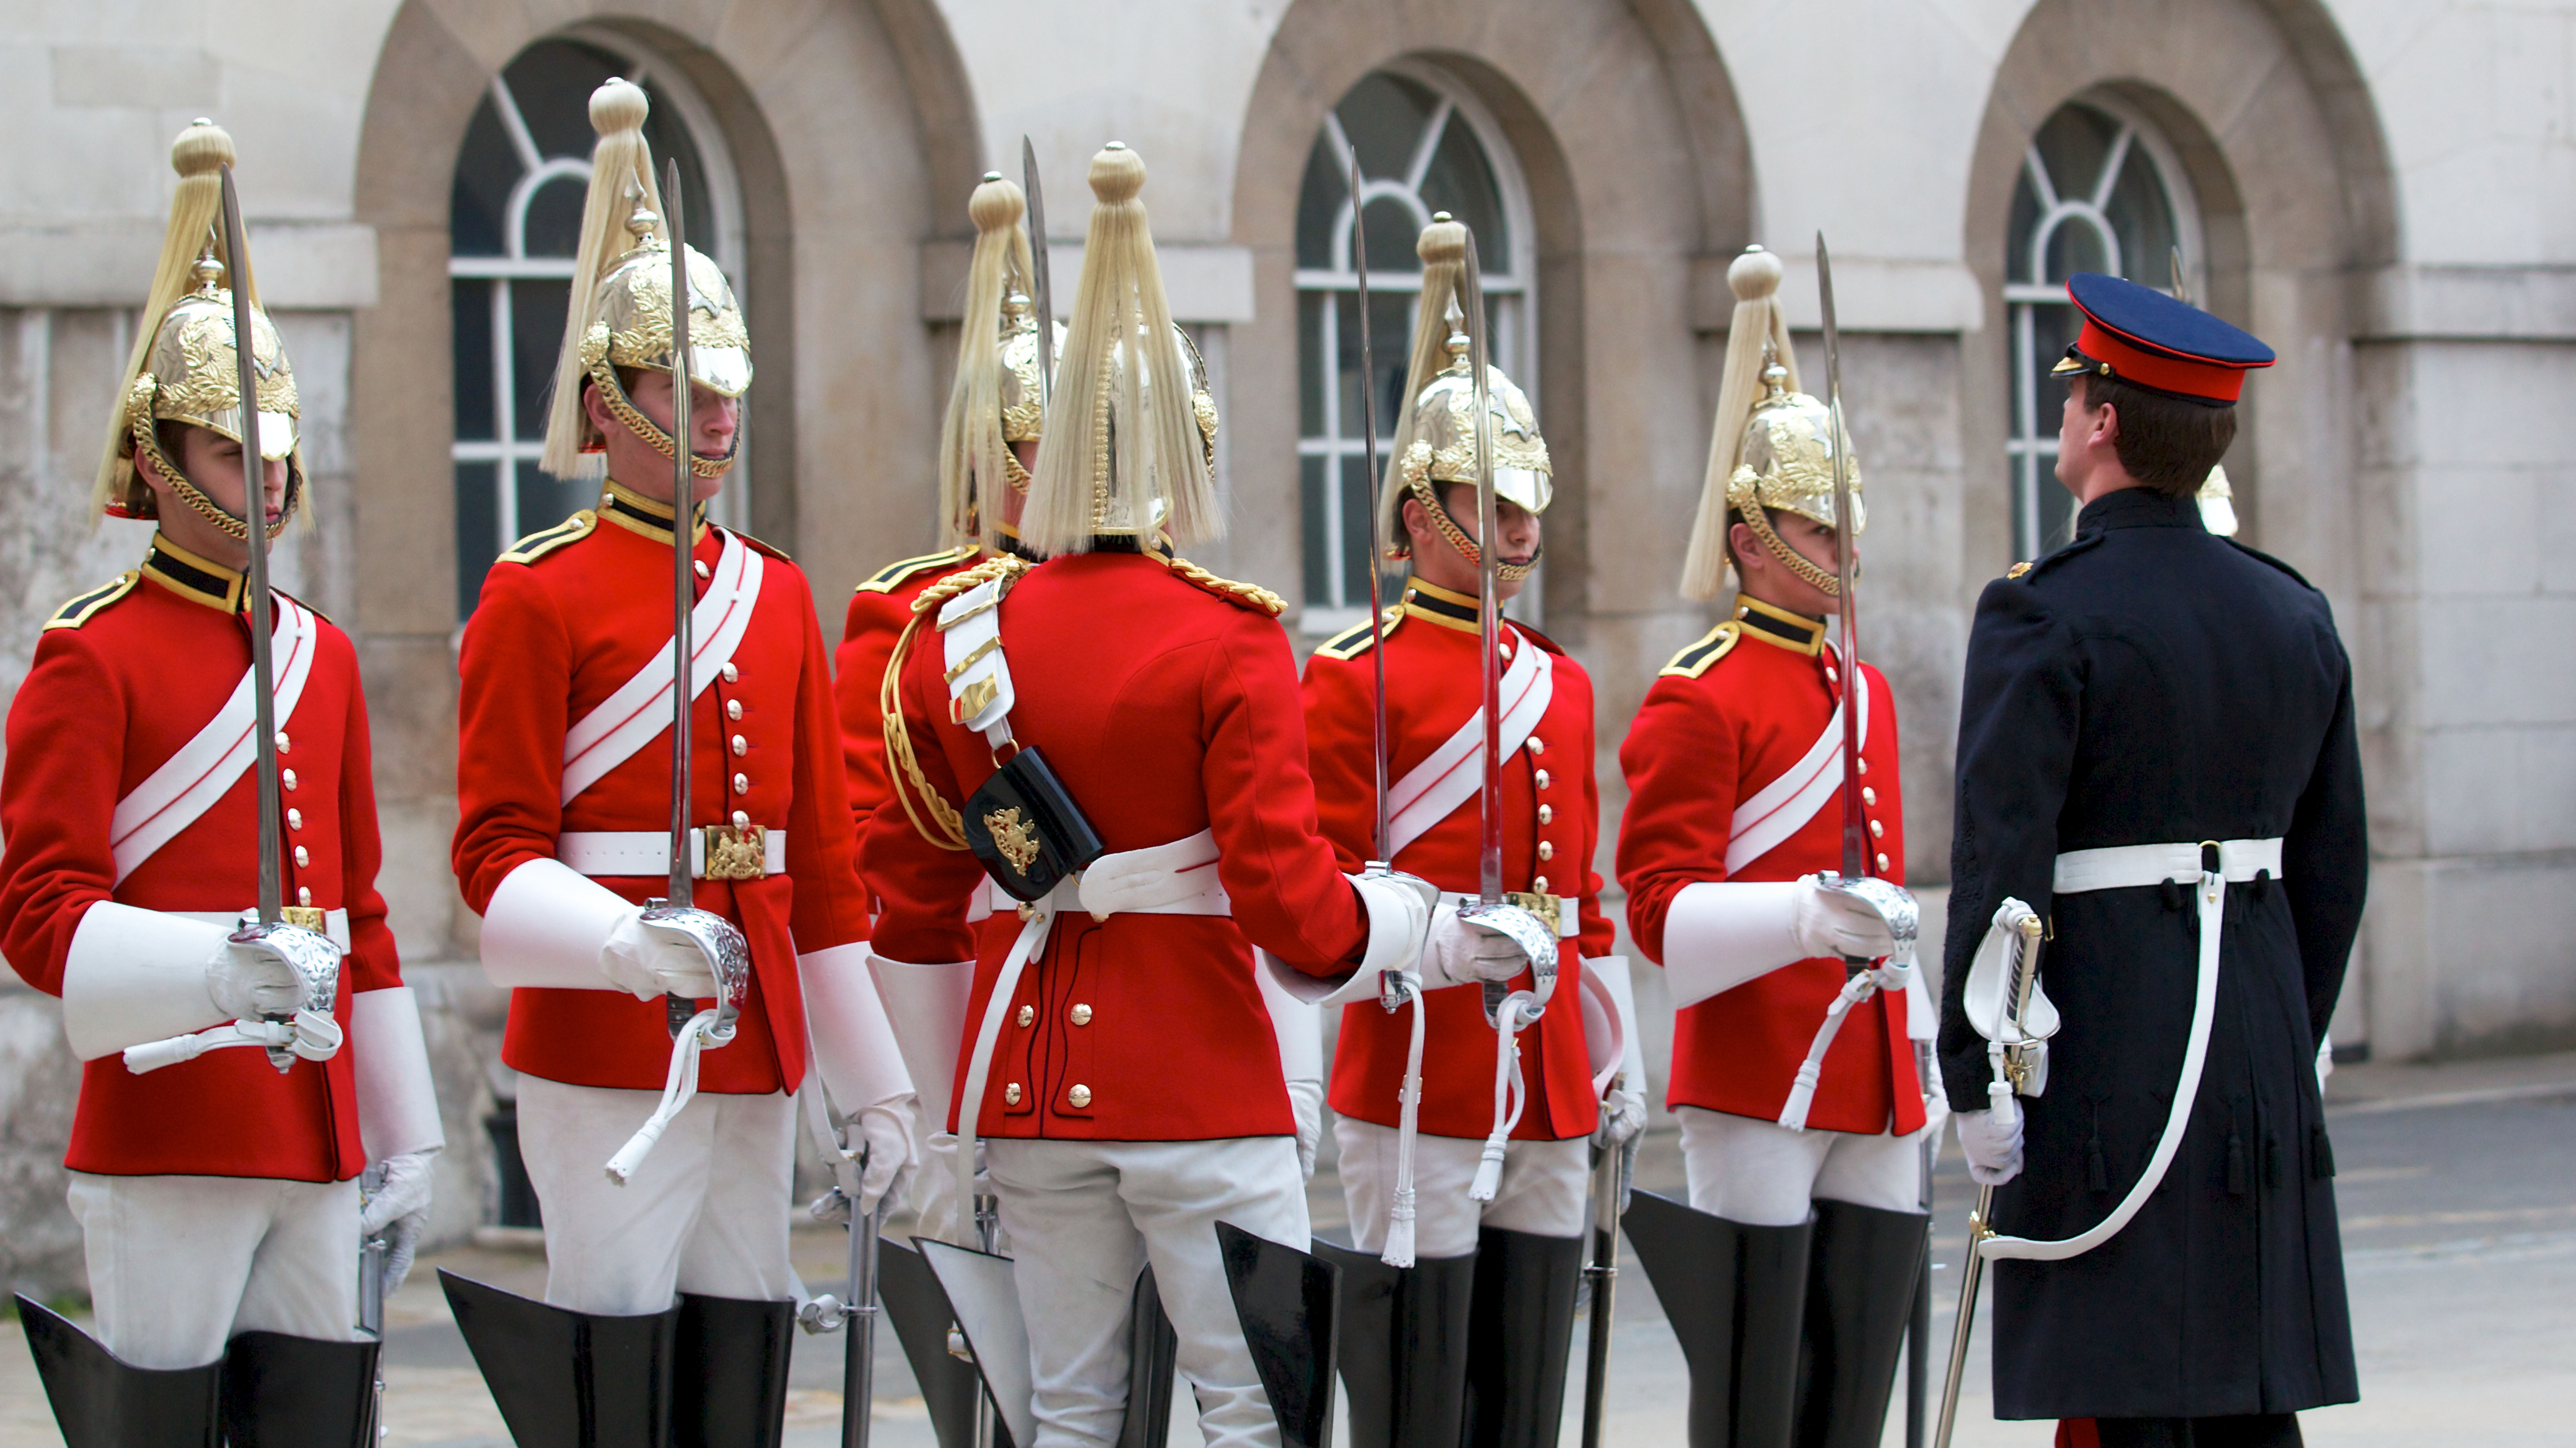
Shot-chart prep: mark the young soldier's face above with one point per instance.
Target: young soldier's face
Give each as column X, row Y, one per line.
column 634, row 463
column 213, row 463
column 1766, row 578
column 1437, row 562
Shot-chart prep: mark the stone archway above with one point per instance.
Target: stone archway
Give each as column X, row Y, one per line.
column 1625, row 125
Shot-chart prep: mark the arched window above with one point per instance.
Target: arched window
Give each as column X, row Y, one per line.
column 1425, row 146
column 2100, row 191
column 513, row 225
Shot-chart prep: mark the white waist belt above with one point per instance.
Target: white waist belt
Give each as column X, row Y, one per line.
column 1564, row 911
column 647, row 853
column 335, row 923
column 2123, row 867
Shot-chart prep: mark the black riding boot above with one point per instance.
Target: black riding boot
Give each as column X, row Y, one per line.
column 1736, row 1297
column 298, row 1392
column 729, row 1375
column 1521, row 1335
column 565, row 1379
column 1153, row 1356
column 1404, row 1347
column 101, row 1401
column 1860, row 1294
column 919, row 1312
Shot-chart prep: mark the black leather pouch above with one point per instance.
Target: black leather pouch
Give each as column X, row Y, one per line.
column 1026, row 828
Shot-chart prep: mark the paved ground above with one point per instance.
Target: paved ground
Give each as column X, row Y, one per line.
column 2458, row 1192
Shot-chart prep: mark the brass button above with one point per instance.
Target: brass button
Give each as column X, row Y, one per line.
column 1877, row 831
column 1080, row 1096
column 733, row 708
column 284, row 744
column 742, row 784
column 1537, row 745
column 303, row 894
column 1546, row 850
column 741, row 820
column 1864, row 766
column 1542, row 779
column 288, row 779
column 1081, row 1014
column 1882, row 862
column 295, row 819
column 1011, row 1094
column 302, row 860
column 703, row 570
column 1546, row 814
column 1830, row 676
column 1868, row 795
column 1028, row 1015
column 1538, row 885
column 732, row 675
column 741, row 746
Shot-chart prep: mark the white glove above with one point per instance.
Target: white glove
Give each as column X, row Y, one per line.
column 2325, row 1064
column 1623, row 1115
column 248, row 983
column 1828, row 922
column 397, row 1207
column 1936, row 1110
column 1306, row 1099
column 1992, row 1141
column 884, row 1132
column 1461, row 952
column 650, row 963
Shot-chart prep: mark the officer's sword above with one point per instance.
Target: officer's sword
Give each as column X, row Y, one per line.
column 1855, row 826
column 1981, row 1221
column 684, row 487
column 1382, row 843
column 1043, row 292
column 1489, row 624
column 254, row 517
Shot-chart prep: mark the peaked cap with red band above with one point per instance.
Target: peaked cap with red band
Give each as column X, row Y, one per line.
column 2145, row 338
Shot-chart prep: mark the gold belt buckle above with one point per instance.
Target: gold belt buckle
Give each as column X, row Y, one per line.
column 1542, row 906
column 307, row 917
column 735, row 852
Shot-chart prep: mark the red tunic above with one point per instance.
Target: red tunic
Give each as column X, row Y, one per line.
column 1432, row 689
column 1727, row 716
column 567, row 617
column 879, row 610
column 1165, row 710
column 124, row 677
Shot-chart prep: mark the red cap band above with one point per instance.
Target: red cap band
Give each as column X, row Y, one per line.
column 2163, row 371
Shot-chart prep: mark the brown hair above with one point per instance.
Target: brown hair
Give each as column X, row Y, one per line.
column 2167, row 443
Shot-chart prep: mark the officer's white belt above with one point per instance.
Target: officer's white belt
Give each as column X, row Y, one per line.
column 1569, row 920
column 647, row 853
column 335, row 922
column 2120, row 867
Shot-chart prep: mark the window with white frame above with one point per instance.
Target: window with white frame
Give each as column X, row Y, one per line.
column 2100, row 191
column 514, row 223
column 1424, row 146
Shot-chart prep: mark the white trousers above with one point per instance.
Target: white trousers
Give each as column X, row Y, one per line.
column 705, row 1213
column 180, row 1264
column 1542, row 1191
column 1087, row 1216
column 1762, row 1174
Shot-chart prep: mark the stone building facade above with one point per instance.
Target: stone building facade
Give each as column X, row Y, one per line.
column 2375, row 186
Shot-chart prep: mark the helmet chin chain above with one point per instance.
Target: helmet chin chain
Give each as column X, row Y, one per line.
column 624, row 410
column 1790, row 558
column 1508, row 572
column 147, row 448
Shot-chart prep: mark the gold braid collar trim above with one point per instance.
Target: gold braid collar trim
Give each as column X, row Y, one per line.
column 1790, row 558
column 653, row 432
column 946, row 828
column 147, row 449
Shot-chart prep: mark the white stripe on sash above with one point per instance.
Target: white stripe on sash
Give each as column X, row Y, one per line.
column 189, row 782
column 1782, row 808
column 640, row 711
column 1455, row 772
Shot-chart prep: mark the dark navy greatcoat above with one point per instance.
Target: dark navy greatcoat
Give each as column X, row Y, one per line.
column 2150, row 683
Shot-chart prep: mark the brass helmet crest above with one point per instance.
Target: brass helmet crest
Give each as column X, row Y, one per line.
column 622, row 292
column 185, row 365
column 997, row 397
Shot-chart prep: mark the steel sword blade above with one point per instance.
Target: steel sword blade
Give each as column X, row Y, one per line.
column 1981, row 1222
column 1856, row 861
column 1382, row 843
column 254, row 520
column 1043, row 289
column 1489, row 623
column 679, row 1008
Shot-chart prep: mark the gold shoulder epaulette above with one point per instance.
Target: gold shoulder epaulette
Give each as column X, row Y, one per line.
column 772, row 549
column 1356, row 640
column 1242, row 595
column 1694, row 661
column 2018, row 569
column 886, row 579
column 538, row 545
column 81, row 609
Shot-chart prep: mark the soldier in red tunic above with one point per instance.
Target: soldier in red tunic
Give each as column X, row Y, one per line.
column 1507, row 1265
column 218, row 1197
column 1132, row 767
column 1802, row 1110
column 564, row 807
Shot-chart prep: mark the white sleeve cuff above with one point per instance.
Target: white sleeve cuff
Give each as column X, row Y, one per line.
column 1718, row 935
column 854, row 1043
column 133, row 976
column 1298, row 1022
column 546, row 926
column 397, row 1104
column 926, row 1006
column 1610, row 1034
